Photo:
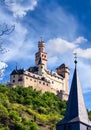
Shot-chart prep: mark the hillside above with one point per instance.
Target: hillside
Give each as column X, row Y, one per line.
column 28, row 109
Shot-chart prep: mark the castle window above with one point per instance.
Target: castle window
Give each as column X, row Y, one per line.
column 45, row 56
column 34, row 80
column 40, row 82
column 42, row 55
column 52, row 82
column 30, row 79
column 47, row 84
column 13, row 81
column 13, row 76
column 28, row 73
column 43, row 83
column 26, row 77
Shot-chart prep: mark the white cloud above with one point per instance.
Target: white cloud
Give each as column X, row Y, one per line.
column 84, row 53
column 60, row 46
column 18, row 46
column 52, row 61
column 3, row 66
column 84, row 75
column 21, row 7
column 80, row 39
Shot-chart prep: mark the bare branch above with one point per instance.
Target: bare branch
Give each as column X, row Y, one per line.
column 6, row 29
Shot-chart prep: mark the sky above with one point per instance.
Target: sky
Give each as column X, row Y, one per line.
column 65, row 27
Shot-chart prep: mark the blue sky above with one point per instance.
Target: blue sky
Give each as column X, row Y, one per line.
column 65, row 28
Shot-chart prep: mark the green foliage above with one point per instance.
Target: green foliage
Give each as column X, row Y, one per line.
column 5, row 128
column 3, row 111
column 14, row 115
column 26, row 109
column 89, row 113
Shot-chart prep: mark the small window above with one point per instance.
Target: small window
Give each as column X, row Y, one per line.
column 52, row 82
column 47, row 84
column 13, row 76
column 30, row 79
column 43, row 83
column 34, row 80
column 13, row 81
column 26, row 77
column 40, row 82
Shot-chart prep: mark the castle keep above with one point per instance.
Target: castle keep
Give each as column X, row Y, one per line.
column 40, row 78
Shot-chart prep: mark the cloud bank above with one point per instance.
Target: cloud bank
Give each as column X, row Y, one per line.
column 19, row 8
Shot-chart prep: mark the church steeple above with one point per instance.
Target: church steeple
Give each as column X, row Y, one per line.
column 76, row 113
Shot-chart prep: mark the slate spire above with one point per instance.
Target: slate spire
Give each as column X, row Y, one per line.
column 76, row 109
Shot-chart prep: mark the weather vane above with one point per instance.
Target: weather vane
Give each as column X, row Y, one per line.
column 75, row 56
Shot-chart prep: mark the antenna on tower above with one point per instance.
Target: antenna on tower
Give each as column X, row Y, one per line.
column 16, row 65
column 41, row 38
column 75, row 57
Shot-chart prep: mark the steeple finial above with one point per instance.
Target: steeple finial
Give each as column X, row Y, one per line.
column 75, row 57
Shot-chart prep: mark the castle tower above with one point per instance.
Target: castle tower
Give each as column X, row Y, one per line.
column 63, row 71
column 76, row 117
column 41, row 54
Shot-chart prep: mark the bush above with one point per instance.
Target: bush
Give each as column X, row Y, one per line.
column 14, row 116
column 3, row 111
column 33, row 126
column 19, row 126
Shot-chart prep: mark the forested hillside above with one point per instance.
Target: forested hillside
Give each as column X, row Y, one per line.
column 28, row 109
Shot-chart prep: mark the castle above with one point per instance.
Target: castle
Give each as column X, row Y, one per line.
column 40, row 78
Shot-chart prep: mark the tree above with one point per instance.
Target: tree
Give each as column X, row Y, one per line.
column 6, row 29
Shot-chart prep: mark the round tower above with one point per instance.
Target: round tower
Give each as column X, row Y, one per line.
column 41, row 54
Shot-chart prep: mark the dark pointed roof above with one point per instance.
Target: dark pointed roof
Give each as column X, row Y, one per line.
column 17, row 71
column 33, row 69
column 76, row 110
column 40, row 61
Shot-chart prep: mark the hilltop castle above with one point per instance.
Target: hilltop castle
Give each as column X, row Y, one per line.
column 40, row 78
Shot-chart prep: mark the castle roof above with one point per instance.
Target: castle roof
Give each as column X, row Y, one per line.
column 17, row 71
column 76, row 110
column 62, row 66
column 33, row 69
